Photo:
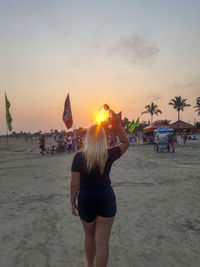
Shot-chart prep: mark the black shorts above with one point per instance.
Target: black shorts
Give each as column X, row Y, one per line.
column 92, row 204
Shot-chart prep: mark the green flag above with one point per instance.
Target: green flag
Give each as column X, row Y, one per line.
column 8, row 116
column 137, row 123
column 132, row 125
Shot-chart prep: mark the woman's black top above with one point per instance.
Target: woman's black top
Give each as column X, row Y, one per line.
column 94, row 180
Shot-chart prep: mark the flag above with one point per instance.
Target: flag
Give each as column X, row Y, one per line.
column 67, row 113
column 8, row 116
column 132, row 125
column 137, row 123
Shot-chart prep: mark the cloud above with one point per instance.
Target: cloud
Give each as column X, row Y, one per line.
column 191, row 86
column 156, row 97
column 134, row 49
column 120, row 77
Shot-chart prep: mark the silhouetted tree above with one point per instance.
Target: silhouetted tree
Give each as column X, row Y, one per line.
column 197, row 105
column 152, row 109
column 197, row 124
column 179, row 104
column 125, row 123
column 165, row 122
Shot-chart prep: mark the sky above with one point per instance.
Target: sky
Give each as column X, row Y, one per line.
column 125, row 53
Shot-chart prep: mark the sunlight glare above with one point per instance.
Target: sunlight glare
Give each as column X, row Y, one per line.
column 102, row 115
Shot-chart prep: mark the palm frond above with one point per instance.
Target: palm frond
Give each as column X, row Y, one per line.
column 147, row 106
column 157, row 111
column 144, row 112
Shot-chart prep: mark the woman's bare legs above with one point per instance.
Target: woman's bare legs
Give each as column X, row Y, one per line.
column 102, row 235
column 90, row 248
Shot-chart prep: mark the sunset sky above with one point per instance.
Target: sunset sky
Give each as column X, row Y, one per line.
column 125, row 53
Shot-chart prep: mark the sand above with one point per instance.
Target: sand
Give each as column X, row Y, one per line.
column 158, row 219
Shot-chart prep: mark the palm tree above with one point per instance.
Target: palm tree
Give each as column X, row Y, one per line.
column 152, row 109
column 179, row 104
column 197, row 124
column 197, row 106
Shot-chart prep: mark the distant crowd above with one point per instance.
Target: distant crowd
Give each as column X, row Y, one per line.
column 63, row 143
column 72, row 142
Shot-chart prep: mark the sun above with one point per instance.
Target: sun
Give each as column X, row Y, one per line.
column 102, row 115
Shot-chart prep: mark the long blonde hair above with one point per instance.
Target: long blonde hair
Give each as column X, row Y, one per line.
column 95, row 148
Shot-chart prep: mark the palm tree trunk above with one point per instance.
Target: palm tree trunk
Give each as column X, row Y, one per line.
column 179, row 131
column 151, row 119
column 178, row 115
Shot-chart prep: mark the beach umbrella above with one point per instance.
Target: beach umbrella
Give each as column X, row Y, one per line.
column 164, row 130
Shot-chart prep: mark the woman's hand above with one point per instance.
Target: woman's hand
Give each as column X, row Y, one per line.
column 74, row 187
column 74, row 209
column 115, row 119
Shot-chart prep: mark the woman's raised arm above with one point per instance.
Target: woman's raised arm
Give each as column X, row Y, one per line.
column 123, row 138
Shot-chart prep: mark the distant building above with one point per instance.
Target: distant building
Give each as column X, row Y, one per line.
column 155, row 125
column 181, row 125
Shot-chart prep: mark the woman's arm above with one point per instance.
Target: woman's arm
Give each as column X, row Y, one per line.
column 74, row 187
column 123, row 138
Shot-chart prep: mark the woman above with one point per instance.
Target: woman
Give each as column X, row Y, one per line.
column 184, row 138
column 96, row 199
column 42, row 144
column 172, row 142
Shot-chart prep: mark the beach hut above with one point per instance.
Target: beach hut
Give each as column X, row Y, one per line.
column 181, row 126
column 150, row 128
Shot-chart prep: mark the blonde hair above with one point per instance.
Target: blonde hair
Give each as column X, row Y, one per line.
column 95, row 148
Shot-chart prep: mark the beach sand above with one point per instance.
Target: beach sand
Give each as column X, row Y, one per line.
column 158, row 219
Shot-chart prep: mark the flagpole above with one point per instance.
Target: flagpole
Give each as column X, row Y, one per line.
column 6, row 125
column 7, row 135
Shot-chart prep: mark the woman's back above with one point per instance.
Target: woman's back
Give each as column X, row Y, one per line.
column 91, row 184
column 94, row 180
